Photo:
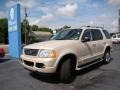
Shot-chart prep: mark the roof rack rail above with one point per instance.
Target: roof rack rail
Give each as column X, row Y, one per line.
column 94, row 26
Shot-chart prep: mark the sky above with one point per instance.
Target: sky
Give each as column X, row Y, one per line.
column 75, row 13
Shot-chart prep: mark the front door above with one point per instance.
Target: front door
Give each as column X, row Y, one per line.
column 87, row 50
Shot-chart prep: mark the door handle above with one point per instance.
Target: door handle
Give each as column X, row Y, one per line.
column 104, row 43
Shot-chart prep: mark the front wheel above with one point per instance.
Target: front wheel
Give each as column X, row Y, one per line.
column 66, row 71
column 107, row 57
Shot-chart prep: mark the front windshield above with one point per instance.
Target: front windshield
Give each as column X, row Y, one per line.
column 70, row 34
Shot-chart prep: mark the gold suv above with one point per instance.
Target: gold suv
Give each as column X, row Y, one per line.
column 68, row 50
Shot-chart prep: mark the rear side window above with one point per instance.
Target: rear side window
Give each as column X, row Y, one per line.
column 96, row 34
column 114, row 36
column 118, row 36
column 106, row 34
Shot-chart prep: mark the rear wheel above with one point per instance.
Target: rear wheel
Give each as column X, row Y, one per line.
column 107, row 57
column 66, row 71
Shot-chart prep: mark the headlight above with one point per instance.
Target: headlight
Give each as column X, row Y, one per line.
column 44, row 53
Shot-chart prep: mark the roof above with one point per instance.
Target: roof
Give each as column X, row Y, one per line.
column 93, row 27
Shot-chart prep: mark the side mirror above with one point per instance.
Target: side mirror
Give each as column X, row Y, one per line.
column 85, row 39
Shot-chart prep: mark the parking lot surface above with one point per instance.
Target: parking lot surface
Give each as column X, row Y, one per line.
column 97, row 77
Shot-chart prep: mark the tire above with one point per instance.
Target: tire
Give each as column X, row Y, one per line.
column 107, row 57
column 66, row 71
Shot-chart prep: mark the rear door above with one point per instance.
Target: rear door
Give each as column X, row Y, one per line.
column 99, row 43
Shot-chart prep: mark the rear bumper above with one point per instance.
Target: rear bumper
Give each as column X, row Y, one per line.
column 38, row 64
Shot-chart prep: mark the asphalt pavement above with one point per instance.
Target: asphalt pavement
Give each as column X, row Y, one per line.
column 97, row 77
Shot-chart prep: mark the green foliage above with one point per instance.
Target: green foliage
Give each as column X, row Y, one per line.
column 22, row 33
column 24, row 29
column 3, row 30
column 42, row 29
column 34, row 28
column 45, row 29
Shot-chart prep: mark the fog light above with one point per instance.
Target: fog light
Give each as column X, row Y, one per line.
column 21, row 60
column 40, row 65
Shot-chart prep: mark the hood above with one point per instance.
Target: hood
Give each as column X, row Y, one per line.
column 51, row 44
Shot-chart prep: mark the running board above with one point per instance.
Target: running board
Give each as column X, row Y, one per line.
column 89, row 64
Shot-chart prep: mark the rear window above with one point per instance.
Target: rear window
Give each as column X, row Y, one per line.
column 106, row 34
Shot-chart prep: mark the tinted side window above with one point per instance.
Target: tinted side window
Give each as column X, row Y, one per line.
column 87, row 33
column 106, row 34
column 96, row 34
column 114, row 36
column 73, row 34
column 118, row 36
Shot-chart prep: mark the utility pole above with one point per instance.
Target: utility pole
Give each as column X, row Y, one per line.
column 119, row 22
column 25, row 24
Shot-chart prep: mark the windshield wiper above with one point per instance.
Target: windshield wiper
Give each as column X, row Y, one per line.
column 60, row 39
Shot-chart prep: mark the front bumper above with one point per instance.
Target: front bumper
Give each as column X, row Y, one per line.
column 43, row 65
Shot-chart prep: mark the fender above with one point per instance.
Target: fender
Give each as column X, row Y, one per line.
column 66, row 52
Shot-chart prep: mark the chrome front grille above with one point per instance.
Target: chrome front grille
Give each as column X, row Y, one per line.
column 31, row 52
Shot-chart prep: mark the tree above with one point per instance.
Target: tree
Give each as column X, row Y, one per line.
column 34, row 28
column 26, row 31
column 4, row 30
column 45, row 29
column 42, row 29
column 22, row 33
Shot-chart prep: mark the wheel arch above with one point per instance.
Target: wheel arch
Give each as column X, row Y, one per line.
column 72, row 56
column 108, row 48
